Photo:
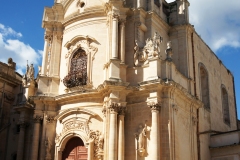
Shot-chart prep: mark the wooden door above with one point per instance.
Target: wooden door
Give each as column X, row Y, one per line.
column 75, row 150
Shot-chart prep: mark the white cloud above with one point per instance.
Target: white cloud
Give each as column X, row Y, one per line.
column 216, row 21
column 20, row 52
column 7, row 31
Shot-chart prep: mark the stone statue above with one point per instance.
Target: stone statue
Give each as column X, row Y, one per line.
column 140, row 57
column 152, row 47
column 142, row 136
column 168, row 51
column 29, row 76
column 31, row 72
column 24, row 80
column 157, row 39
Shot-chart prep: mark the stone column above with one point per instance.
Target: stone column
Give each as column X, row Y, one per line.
column 122, row 27
column 121, row 137
column 155, row 143
column 35, row 141
column 115, row 36
column 112, row 152
column 20, row 147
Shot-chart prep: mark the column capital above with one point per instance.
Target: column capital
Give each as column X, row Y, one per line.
column 37, row 119
column 113, row 108
column 48, row 37
column 115, row 15
column 155, row 106
column 122, row 110
column 49, row 119
column 122, row 22
column 104, row 111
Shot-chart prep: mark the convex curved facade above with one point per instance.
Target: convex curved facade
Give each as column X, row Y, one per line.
column 124, row 80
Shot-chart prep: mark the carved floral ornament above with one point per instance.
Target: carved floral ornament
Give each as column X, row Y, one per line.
column 98, row 141
column 73, row 125
column 83, row 42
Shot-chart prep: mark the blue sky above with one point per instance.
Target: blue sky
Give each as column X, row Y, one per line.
column 216, row 21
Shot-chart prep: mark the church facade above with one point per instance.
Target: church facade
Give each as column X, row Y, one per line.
column 123, row 80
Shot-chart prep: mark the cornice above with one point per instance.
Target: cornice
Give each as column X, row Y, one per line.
column 169, row 84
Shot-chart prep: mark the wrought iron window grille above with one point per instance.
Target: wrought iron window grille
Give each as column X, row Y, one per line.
column 77, row 75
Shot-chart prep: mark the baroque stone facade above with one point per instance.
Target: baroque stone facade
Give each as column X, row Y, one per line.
column 123, row 80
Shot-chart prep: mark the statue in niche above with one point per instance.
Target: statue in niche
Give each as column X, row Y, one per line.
column 168, row 51
column 141, row 137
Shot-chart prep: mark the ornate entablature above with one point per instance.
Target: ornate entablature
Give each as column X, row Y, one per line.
column 79, row 58
column 150, row 50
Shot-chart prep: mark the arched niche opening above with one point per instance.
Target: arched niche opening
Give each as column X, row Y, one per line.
column 204, row 86
column 225, row 106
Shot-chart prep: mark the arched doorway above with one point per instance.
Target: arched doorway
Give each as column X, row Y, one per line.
column 75, row 150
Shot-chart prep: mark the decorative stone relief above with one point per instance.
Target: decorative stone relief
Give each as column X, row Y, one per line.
column 85, row 45
column 140, row 57
column 76, row 124
column 98, row 141
column 150, row 50
column 49, row 41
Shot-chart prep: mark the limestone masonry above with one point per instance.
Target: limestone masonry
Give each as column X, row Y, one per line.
column 120, row 80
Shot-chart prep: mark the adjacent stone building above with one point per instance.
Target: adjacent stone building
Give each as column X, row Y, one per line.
column 124, row 80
